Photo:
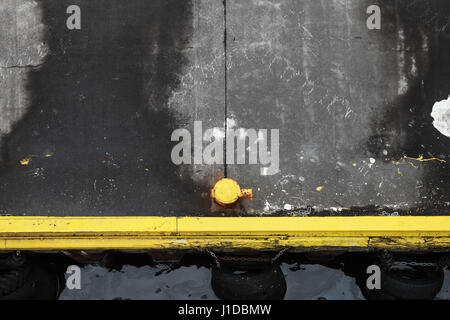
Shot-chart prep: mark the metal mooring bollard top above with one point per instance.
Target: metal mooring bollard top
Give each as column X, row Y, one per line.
column 227, row 191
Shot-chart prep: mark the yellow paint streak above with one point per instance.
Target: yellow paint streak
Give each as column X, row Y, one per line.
column 421, row 159
column 412, row 165
column 25, row 161
column 319, row 188
column 57, row 233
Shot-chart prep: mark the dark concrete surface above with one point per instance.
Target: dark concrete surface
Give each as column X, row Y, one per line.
column 98, row 128
column 94, row 108
column 350, row 103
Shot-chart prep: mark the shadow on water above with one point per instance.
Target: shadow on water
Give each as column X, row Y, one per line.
column 97, row 131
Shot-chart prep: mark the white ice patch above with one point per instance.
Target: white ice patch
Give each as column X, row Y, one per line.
column 441, row 116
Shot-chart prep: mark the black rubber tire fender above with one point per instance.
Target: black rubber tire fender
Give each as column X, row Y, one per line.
column 12, row 280
column 425, row 286
column 259, row 282
column 29, row 282
column 399, row 285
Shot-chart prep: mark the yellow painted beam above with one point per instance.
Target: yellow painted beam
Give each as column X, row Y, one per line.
column 54, row 226
column 55, row 233
column 380, row 225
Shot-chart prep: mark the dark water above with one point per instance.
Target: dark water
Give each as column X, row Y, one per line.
column 192, row 282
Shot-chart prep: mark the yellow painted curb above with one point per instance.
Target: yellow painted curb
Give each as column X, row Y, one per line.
column 56, row 233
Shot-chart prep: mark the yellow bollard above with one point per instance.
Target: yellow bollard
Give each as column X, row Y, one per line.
column 227, row 191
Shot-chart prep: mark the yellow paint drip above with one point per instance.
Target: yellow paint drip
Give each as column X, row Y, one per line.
column 421, row 159
column 25, row 161
column 412, row 165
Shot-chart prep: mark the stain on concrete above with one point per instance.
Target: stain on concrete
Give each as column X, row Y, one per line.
column 22, row 49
